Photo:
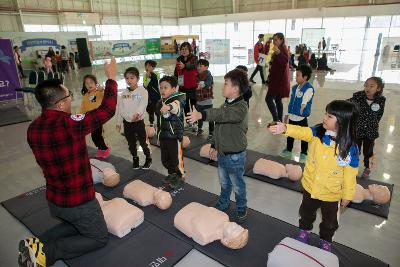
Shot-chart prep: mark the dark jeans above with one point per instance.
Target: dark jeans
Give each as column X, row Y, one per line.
column 290, row 140
column 367, row 149
column 308, row 213
column 135, row 131
column 201, row 108
column 151, row 108
column 98, row 139
column 171, row 156
column 258, row 69
column 83, row 230
column 190, row 99
column 275, row 106
column 230, row 172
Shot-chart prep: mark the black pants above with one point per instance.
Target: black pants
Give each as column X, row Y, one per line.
column 367, row 150
column 21, row 71
column 190, row 99
column 151, row 108
column 98, row 139
column 258, row 69
column 290, row 140
column 201, row 108
column 308, row 213
column 275, row 106
column 135, row 131
column 171, row 156
column 83, row 230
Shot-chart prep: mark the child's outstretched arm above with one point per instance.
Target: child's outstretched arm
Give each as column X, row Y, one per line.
column 218, row 115
column 297, row 132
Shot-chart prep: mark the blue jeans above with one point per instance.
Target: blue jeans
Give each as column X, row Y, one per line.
column 201, row 108
column 231, row 170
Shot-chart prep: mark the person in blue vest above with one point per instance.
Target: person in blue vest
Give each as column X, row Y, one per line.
column 299, row 108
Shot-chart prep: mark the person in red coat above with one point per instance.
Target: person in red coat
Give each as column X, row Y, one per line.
column 258, row 48
column 278, row 79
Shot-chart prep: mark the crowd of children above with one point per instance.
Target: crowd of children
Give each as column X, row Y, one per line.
column 330, row 149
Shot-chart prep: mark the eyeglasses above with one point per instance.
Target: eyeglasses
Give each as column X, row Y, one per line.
column 70, row 94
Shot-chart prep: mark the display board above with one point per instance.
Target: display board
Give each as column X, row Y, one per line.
column 124, row 48
column 311, row 37
column 390, row 54
column 219, row 50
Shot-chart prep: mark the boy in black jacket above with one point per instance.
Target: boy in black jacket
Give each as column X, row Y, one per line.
column 170, row 111
column 150, row 82
column 371, row 105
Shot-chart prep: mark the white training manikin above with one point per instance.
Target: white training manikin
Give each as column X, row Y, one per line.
column 120, row 216
column 290, row 252
column 145, row 194
column 275, row 170
column 104, row 172
column 206, row 224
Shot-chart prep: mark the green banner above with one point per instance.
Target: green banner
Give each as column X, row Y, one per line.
column 153, row 46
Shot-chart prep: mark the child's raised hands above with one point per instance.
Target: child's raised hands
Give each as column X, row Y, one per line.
column 277, row 128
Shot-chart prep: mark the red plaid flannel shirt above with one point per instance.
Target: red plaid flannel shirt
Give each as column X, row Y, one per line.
column 57, row 140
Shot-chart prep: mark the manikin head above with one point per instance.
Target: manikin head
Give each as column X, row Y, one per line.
column 162, row 199
column 111, row 178
column 359, row 194
column 234, row 236
column 150, row 131
column 380, row 193
column 294, row 172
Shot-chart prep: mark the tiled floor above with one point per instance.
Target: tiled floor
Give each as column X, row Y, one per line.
column 367, row 233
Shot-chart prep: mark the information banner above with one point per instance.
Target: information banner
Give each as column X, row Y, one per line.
column 9, row 80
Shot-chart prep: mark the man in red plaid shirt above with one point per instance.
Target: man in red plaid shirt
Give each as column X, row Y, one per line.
column 57, row 140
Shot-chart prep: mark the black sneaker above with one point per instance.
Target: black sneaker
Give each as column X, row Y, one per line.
column 241, row 216
column 147, row 164
column 252, row 81
column 210, row 136
column 135, row 163
column 200, row 131
column 176, row 181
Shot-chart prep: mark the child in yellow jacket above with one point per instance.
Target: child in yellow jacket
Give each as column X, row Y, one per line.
column 329, row 176
column 93, row 95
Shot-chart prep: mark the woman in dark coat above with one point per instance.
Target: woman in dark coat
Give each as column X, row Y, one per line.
column 278, row 79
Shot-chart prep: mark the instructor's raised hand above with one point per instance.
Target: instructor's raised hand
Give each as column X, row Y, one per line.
column 110, row 69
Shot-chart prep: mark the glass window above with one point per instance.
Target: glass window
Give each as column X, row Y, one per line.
column 352, row 39
column 152, row 31
column 354, row 22
column 50, row 28
column 170, row 30
column 394, row 32
column 131, row 32
column 294, row 28
column 395, row 21
column 32, row 28
column 380, row 21
column 333, row 23
column 261, row 26
column 196, row 29
column 277, row 25
column 312, row 23
column 184, row 29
